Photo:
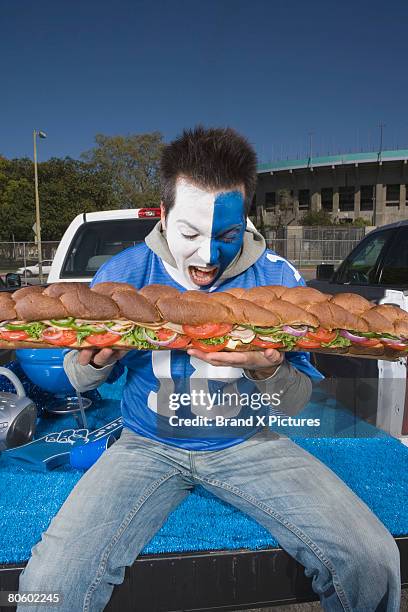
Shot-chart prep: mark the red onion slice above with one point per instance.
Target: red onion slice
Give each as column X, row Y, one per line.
column 160, row 342
column 55, row 336
column 393, row 340
column 299, row 332
column 353, row 337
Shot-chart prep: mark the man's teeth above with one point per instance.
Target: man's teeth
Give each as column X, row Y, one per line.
column 202, row 273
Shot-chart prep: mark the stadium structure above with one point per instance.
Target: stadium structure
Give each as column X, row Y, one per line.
column 372, row 186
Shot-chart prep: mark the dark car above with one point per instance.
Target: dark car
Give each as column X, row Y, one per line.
column 379, row 262
column 10, row 281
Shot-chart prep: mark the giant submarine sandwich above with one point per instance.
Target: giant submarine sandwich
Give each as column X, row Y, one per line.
column 158, row 317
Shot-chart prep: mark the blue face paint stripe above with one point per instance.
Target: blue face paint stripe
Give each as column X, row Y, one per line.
column 228, row 213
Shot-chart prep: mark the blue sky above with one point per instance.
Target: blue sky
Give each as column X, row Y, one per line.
column 272, row 69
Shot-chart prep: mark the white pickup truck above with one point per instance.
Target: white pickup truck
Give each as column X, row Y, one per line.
column 215, row 579
column 92, row 238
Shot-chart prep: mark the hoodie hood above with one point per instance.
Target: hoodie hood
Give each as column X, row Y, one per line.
column 253, row 247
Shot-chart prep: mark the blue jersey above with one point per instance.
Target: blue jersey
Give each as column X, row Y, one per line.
column 155, row 376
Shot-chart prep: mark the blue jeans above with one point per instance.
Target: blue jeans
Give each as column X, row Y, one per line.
column 125, row 497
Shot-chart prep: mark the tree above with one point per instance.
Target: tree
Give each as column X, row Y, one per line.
column 132, row 163
column 67, row 188
column 316, row 217
column 121, row 172
column 284, row 212
column 361, row 222
column 17, row 213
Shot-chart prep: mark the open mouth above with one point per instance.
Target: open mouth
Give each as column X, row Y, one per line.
column 202, row 276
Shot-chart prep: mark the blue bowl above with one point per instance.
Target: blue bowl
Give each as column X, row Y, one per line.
column 44, row 367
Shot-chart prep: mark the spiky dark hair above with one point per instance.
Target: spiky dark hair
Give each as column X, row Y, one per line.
column 214, row 158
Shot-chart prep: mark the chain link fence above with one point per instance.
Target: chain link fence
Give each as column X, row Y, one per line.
column 22, row 257
column 304, row 252
column 320, row 232
column 313, row 245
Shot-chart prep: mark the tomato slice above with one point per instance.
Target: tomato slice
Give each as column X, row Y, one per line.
column 180, row 342
column 103, row 339
column 14, row 335
column 208, row 348
column 321, row 335
column 59, row 337
column 164, row 334
column 266, row 343
column 307, row 343
column 395, row 345
column 207, row 330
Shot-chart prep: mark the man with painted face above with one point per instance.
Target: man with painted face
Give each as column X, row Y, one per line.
column 204, row 242
column 204, row 231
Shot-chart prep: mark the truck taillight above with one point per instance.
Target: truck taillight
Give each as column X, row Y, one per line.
column 149, row 212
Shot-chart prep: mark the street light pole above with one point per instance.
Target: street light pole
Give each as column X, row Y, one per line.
column 379, row 162
column 381, row 126
column 310, row 146
column 37, row 203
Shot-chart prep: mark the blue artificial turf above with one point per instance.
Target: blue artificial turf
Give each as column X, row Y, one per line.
column 375, row 466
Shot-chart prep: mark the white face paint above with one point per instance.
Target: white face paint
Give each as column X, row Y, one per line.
column 204, row 231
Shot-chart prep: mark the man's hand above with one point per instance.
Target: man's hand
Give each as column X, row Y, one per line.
column 99, row 358
column 264, row 363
